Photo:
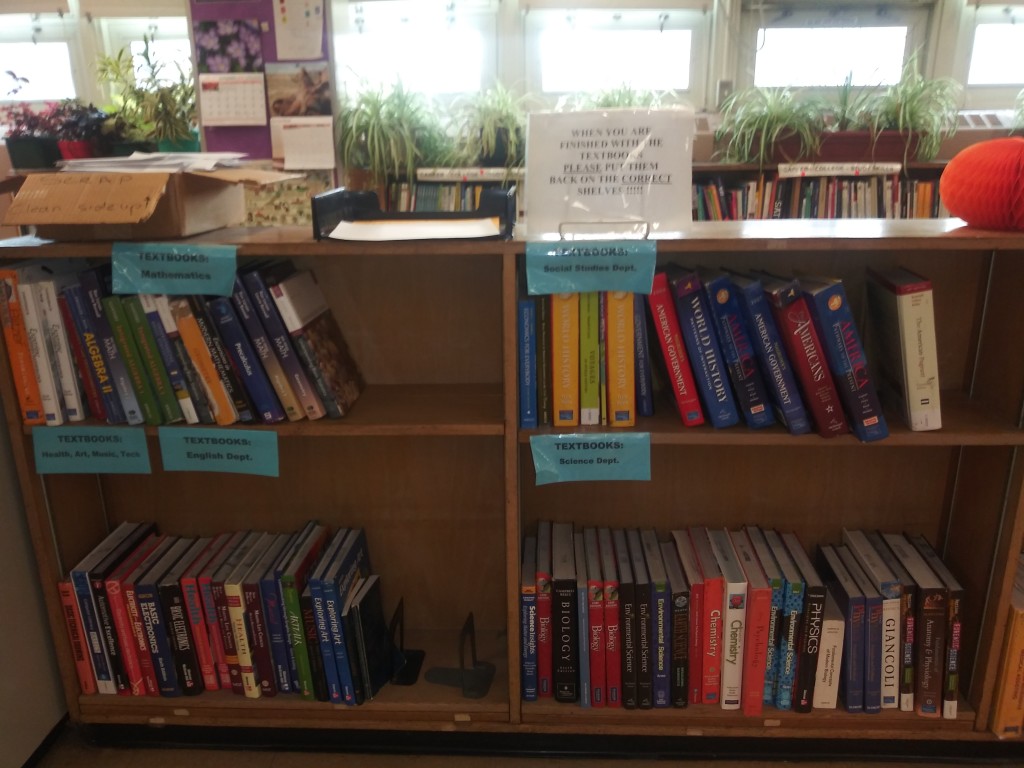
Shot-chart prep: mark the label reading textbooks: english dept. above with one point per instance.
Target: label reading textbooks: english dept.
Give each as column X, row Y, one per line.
column 173, row 268
column 198, row 449
column 591, row 456
column 89, row 450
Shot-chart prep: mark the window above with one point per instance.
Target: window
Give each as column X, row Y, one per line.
column 434, row 47
column 995, row 55
column 822, row 48
column 168, row 35
column 588, row 51
column 38, row 49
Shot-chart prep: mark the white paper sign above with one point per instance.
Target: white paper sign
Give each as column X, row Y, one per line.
column 615, row 173
column 304, row 143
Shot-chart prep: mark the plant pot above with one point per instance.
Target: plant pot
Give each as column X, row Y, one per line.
column 71, row 149
column 186, row 145
column 126, row 148
column 852, row 147
column 33, row 153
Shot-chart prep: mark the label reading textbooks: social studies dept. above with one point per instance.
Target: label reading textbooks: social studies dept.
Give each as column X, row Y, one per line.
column 591, row 456
column 89, row 450
column 595, row 265
column 197, row 449
column 177, row 269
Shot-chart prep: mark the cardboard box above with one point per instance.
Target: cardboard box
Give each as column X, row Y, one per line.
column 132, row 206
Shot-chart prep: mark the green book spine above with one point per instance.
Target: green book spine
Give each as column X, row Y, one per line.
column 150, row 354
column 297, row 634
column 590, row 359
column 125, row 340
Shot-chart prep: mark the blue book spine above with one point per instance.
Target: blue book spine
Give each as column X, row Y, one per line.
column 281, row 343
column 528, row 650
column 98, row 367
column 853, row 656
column 326, row 643
column 165, row 347
column 642, row 350
column 526, row 335
column 873, row 653
column 738, row 353
column 771, row 670
column 157, row 639
column 276, row 632
column 701, row 339
column 92, row 286
column 778, row 373
column 848, row 362
column 243, row 355
column 789, row 641
column 90, row 624
column 352, row 561
column 583, row 642
column 661, row 645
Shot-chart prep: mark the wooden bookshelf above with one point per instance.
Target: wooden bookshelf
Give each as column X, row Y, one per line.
column 432, row 464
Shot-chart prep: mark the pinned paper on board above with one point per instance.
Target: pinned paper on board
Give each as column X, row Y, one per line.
column 304, row 143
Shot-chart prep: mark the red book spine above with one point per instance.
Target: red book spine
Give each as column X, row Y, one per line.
column 122, row 626
column 545, row 661
column 673, row 351
column 149, row 681
column 76, row 637
column 259, row 639
column 808, row 357
column 711, row 665
column 213, row 631
column 612, row 645
column 755, row 649
column 92, row 394
column 200, row 635
column 595, row 616
column 697, row 631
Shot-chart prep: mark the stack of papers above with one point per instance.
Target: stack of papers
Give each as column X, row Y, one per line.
column 156, row 162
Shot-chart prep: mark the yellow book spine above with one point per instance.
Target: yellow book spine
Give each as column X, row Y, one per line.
column 621, row 359
column 16, row 338
column 565, row 359
column 224, row 412
column 236, row 613
column 1008, row 712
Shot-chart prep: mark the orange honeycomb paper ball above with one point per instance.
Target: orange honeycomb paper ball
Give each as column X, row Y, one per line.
column 984, row 184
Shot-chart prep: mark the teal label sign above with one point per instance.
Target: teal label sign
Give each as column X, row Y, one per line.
column 86, row 450
column 174, row 268
column 197, row 449
column 591, row 456
column 592, row 265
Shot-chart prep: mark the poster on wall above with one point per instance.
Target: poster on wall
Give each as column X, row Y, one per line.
column 228, row 45
column 299, row 29
column 299, row 89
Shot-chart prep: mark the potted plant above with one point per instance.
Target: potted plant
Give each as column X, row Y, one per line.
column 77, row 127
column 621, row 96
column 385, row 135
column 490, row 128
column 152, row 105
column 757, row 121
column 30, row 135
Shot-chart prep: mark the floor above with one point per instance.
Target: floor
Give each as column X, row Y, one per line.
column 72, row 748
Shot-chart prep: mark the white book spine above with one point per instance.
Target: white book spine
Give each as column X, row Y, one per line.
column 830, row 654
column 57, row 338
column 45, row 376
column 735, row 604
column 920, row 361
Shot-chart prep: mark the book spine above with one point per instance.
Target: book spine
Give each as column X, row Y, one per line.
column 621, row 358
column 755, row 650
column 107, row 342
column 87, row 378
column 341, row 645
column 16, row 340
column 1008, row 705
column 281, row 343
column 565, row 359
column 151, row 686
column 695, row 673
column 76, row 637
column 734, row 619
column 738, row 354
column 297, row 635
column 951, row 678
column 612, row 644
column 583, row 640
column 853, row 656
column 276, row 636
column 221, row 405
column 263, row 663
column 789, row 644
column 673, row 351
column 565, row 667
column 324, row 643
column 829, row 671
column 242, row 636
column 99, row 366
column 222, row 361
column 892, row 651
column 543, row 308
column 108, row 636
column 57, row 337
column 848, row 363
column 803, row 346
column 705, row 353
column 172, row 368
column 179, row 635
column 90, row 621
column 778, row 371
column 200, row 635
column 661, row 648
column 226, row 630
column 157, row 640
column 711, row 645
column 596, row 643
column 628, row 613
column 680, row 645
column 809, row 648
column 528, row 643
column 212, row 618
column 643, row 646
column 201, row 397
column 243, row 356
column 773, row 652
column 873, row 654
column 151, row 359
column 642, row 359
column 125, row 641
column 589, row 358
column 46, row 377
column 526, row 336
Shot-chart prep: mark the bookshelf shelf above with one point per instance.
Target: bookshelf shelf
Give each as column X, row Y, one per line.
column 432, row 464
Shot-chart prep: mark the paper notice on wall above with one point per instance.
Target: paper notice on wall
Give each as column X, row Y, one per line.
column 607, row 174
column 233, row 99
column 299, row 29
column 304, row 143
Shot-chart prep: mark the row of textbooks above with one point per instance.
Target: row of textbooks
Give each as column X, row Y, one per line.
column 256, row 613
column 272, row 351
column 732, row 347
column 1008, row 707
column 813, row 197
column 738, row 619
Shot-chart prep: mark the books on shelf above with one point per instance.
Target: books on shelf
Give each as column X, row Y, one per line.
column 828, row 671
column 734, row 617
column 596, row 641
column 901, row 336
column 676, row 360
column 849, row 599
column 756, row 639
column 565, row 644
column 679, row 635
column 1007, row 720
column 872, row 630
column 612, row 618
column 789, row 626
column 810, row 633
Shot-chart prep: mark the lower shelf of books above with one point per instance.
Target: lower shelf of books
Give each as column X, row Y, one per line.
column 424, row 704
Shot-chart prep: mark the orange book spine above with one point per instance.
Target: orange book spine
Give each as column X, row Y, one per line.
column 224, row 412
column 620, row 354
column 76, row 636
column 565, row 359
column 20, row 355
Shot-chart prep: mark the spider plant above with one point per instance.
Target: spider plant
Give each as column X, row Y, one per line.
column 755, row 120
column 489, row 128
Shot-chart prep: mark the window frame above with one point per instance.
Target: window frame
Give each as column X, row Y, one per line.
column 986, row 96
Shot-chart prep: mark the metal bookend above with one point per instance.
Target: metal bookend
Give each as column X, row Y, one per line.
column 474, row 680
column 410, row 660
